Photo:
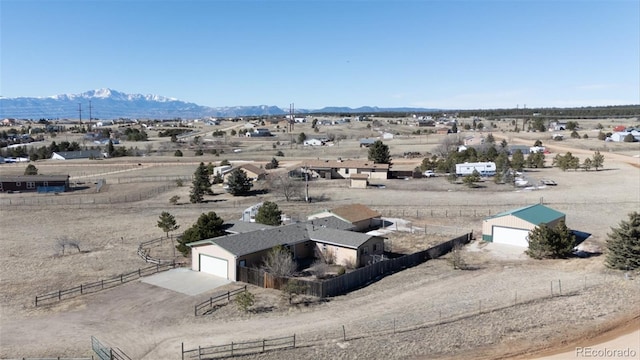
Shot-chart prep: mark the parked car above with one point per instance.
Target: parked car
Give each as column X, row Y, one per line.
column 429, row 173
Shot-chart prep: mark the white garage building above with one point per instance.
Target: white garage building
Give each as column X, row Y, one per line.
column 513, row 227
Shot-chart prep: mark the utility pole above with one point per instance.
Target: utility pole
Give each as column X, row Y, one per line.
column 306, row 183
column 292, row 120
column 90, row 118
column 80, row 112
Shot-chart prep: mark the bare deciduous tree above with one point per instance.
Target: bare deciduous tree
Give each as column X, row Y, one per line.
column 283, row 184
column 319, row 269
column 278, row 262
column 449, row 144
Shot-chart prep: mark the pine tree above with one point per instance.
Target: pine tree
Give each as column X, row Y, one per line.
column 597, row 160
column 623, row 244
column 379, row 153
column 239, row 183
column 269, row 214
column 548, row 243
column 31, row 170
column 201, row 184
column 167, row 223
column 517, row 160
column 208, row 226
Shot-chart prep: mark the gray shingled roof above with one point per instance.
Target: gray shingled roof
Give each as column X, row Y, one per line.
column 339, row 237
column 260, row 240
column 332, row 222
column 237, row 227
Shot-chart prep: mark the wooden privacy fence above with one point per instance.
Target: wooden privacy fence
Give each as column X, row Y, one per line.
column 207, row 305
column 356, row 278
column 239, row 348
column 102, row 284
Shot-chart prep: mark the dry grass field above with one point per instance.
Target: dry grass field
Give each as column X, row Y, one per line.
column 500, row 309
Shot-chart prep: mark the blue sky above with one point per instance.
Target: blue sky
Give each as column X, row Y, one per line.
column 435, row 54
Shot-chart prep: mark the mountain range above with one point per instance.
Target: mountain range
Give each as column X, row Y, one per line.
column 111, row 104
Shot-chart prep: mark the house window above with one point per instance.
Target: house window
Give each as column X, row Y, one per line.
column 375, row 247
column 31, row 185
column 243, row 263
column 346, row 170
column 45, row 183
column 364, row 250
column 18, row 184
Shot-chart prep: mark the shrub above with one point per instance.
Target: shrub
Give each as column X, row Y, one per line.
column 245, row 300
column 178, row 153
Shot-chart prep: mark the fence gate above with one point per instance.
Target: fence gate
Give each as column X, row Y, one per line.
column 107, row 353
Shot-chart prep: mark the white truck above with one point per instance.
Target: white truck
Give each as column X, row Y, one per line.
column 484, row 168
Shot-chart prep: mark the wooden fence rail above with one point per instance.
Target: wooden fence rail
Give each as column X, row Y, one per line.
column 143, row 249
column 83, row 289
column 215, row 300
column 239, row 348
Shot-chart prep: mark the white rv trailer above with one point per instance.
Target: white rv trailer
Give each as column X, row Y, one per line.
column 484, row 168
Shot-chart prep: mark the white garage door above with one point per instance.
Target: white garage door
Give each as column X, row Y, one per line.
column 213, row 266
column 509, row 236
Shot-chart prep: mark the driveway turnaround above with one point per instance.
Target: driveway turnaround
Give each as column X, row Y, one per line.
column 185, row 281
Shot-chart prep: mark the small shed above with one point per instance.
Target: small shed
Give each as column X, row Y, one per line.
column 40, row 183
column 359, row 181
column 512, row 227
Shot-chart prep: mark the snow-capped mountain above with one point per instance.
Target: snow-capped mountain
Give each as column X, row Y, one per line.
column 111, row 104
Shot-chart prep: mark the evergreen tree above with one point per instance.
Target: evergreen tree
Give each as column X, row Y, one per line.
column 201, row 184
column 379, row 153
column 239, row 183
column 504, row 144
column 502, row 162
column 269, row 214
column 587, row 164
column 454, row 128
column 111, row 151
column 490, row 139
column 471, row 180
column 623, row 244
column 167, row 222
column 597, row 160
column 31, row 170
column 208, row 226
column 301, row 138
column 517, row 160
column 549, row 243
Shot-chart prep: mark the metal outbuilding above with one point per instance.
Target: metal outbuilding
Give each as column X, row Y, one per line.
column 512, row 227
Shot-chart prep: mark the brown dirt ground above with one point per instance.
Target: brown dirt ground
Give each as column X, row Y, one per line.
column 437, row 311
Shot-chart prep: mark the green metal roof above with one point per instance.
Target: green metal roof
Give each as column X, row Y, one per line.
column 536, row 214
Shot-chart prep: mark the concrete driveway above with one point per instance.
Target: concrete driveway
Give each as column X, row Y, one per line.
column 185, row 281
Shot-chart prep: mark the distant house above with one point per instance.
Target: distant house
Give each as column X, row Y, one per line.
column 367, row 142
column 313, row 142
column 343, row 169
column 223, row 256
column 40, row 183
column 259, row 132
column 443, row 131
column 619, row 136
column 360, row 216
column 82, row 154
column 524, row 149
column 557, row 126
column 253, row 172
column 425, row 122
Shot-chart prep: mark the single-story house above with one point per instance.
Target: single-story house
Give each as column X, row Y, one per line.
column 40, row 183
column 512, row 227
column 343, row 169
column 259, row 132
column 253, row 172
column 360, row 216
column 222, row 256
column 359, row 181
column 81, row 154
column 619, row 136
column 366, row 142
